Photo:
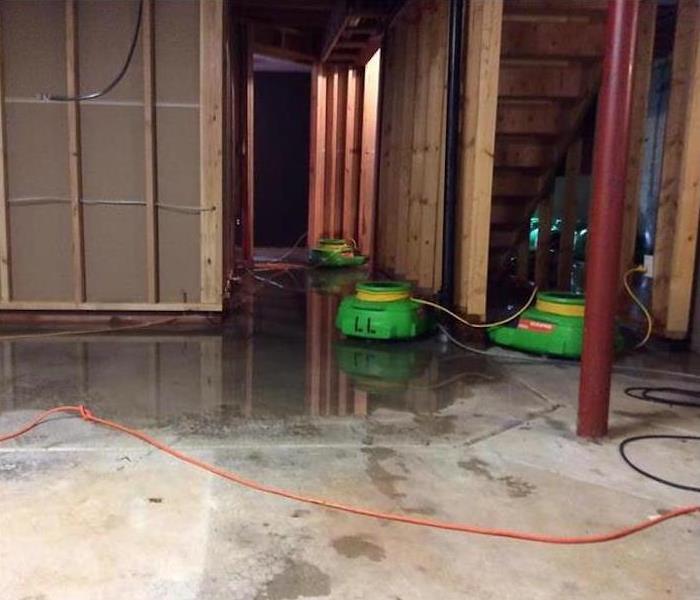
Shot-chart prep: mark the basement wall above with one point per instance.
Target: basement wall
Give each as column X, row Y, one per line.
column 112, row 134
column 411, row 177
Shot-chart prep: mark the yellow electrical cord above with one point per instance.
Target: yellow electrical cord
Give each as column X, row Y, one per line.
column 639, row 303
column 480, row 325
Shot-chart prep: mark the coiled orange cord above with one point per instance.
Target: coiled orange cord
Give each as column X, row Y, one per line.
column 83, row 412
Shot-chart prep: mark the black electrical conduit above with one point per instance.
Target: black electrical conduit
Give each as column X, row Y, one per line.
column 454, row 67
column 115, row 81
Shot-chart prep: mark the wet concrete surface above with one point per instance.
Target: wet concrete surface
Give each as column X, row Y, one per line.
column 420, row 428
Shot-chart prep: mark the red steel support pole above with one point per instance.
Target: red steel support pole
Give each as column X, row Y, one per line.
column 605, row 217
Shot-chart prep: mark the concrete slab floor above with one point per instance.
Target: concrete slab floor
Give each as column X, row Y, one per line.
column 416, row 428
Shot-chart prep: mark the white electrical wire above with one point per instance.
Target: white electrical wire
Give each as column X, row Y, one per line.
column 38, row 200
column 288, row 252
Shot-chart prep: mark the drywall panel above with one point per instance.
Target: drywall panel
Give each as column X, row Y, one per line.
column 41, row 252
column 37, row 150
column 177, row 51
column 33, row 47
column 105, row 32
column 178, row 184
column 37, row 162
column 115, row 253
column 113, row 168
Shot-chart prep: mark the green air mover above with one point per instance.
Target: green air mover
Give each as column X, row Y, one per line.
column 382, row 310
column 553, row 327
column 335, row 253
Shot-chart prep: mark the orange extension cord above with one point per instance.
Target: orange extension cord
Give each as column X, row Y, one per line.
column 434, row 524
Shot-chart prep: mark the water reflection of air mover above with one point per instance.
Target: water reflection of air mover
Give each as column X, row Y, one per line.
column 377, row 367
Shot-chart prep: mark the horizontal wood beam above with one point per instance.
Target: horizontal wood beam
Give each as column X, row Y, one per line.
column 337, row 22
column 284, row 44
column 110, row 306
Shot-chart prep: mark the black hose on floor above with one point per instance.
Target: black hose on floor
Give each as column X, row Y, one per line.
column 638, row 438
column 660, row 395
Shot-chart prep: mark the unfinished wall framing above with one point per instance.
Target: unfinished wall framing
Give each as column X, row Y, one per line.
column 679, row 203
column 116, row 203
column 527, row 81
column 409, row 212
column 342, row 162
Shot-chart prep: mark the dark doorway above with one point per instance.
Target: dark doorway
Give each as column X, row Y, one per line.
column 282, row 108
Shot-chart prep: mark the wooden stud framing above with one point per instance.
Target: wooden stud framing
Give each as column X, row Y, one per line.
column 405, row 156
column 432, row 200
column 643, row 58
column 418, row 149
column 437, row 268
column 231, row 197
column 317, row 152
column 353, row 133
column 151, row 173
column 211, row 148
column 544, row 236
column 250, row 145
column 478, row 140
column 336, row 204
column 368, row 161
column 331, row 167
column 74, row 152
column 566, row 239
column 679, row 204
column 387, row 150
column 399, row 97
column 5, row 248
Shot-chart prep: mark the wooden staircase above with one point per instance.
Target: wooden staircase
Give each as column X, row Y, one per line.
column 551, row 61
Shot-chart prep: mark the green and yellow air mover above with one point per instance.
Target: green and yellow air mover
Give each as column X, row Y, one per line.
column 382, row 310
column 335, row 253
column 554, row 326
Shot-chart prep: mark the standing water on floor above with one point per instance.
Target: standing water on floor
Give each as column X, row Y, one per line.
column 280, row 367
